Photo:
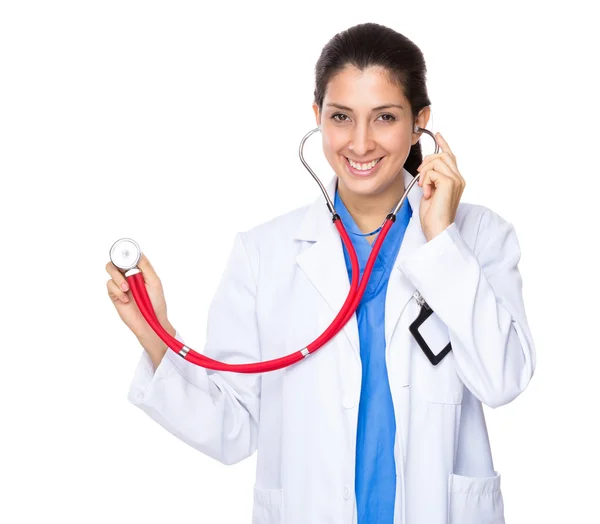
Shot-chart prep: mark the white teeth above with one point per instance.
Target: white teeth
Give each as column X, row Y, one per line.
column 364, row 167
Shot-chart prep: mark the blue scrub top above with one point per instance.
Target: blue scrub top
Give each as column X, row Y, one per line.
column 375, row 477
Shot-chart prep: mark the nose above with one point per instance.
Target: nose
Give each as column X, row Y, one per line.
column 361, row 141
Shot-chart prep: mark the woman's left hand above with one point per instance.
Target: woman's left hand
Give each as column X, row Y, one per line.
column 442, row 188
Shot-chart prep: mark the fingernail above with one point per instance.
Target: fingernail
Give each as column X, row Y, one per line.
column 125, row 298
column 124, row 286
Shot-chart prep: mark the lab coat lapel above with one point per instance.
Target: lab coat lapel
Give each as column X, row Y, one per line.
column 323, row 262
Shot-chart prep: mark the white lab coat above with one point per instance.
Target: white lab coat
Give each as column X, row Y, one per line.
column 283, row 284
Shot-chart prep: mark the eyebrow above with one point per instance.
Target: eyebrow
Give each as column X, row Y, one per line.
column 345, row 108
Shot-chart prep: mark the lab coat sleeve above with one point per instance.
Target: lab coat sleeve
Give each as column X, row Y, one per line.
column 215, row 412
column 478, row 295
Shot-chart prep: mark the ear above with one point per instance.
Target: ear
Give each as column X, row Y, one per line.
column 317, row 115
column 421, row 121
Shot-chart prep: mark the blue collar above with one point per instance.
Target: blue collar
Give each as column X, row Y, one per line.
column 361, row 244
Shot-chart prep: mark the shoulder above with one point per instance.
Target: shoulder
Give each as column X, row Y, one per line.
column 284, row 224
column 270, row 241
column 276, row 232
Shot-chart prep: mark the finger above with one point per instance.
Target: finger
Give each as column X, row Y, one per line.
column 444, row 181
column 443, row 144
column 425, row 182
column 117, row 276
column 445, row 157
column 426, row 161
column 429, row 158
column 115, row 293
column 422, row 181
column 423, row 170
column 441, row 166
column 433, row 178
column 430, row 184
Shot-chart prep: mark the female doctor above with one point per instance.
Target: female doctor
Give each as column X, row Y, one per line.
column 365, row 430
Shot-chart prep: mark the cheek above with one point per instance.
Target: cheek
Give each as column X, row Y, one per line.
column 396, row 143
column 333, row 145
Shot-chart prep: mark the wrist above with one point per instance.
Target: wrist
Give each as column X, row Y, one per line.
column 168, row 327
column 151, row 339
column 430, row 234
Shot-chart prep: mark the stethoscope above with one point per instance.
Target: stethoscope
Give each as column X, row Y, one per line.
column 125, row 254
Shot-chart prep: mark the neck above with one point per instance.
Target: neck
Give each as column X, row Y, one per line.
column 369, row 211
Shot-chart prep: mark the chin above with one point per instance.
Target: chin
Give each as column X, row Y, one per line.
column 366, row 186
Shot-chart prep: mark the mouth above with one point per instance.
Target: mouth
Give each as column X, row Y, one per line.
column 362, row 169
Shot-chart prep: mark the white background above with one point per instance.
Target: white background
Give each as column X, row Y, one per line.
column 178, row 124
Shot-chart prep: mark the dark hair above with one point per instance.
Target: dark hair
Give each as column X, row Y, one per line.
column 372, row 44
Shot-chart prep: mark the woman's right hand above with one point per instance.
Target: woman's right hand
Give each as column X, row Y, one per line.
column 126, row 306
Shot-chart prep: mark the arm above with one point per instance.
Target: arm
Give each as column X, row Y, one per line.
column 215, row 412
column 478, row 295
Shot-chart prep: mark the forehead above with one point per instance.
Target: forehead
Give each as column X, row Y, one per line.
column 370, row 87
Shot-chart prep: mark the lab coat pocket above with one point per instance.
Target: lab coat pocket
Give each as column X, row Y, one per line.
column 268, row 506
column 475, row 500
column 438, row 384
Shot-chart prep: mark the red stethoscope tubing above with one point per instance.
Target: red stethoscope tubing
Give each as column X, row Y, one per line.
column 140, row 295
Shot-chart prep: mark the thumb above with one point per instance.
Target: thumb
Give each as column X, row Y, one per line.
column 147, row 269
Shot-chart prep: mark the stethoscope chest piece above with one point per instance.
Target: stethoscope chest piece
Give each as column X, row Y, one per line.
column 125, row 253
column 424, row 314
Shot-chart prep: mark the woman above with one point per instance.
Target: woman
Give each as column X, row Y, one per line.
column 366, row 429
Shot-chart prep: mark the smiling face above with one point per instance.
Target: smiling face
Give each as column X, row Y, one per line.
column 366, row 118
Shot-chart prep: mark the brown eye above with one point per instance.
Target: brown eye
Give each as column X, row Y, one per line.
column 391, row 119
column 338, row 114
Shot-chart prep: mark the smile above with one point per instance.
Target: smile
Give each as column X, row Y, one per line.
column 362, row 169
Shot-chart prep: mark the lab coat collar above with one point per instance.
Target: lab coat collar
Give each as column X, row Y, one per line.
column 324, row 264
